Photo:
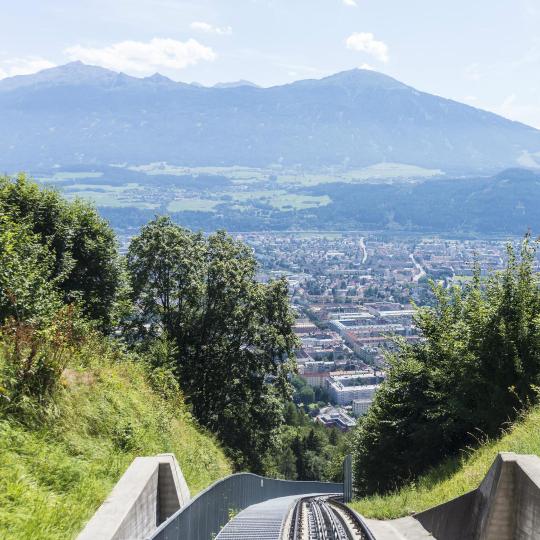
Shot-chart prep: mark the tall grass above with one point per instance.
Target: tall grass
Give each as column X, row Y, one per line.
column 55, row 472
column 456, row 476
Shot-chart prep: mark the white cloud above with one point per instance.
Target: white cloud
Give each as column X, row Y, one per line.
column 514, row 108
column 211, row 29
column 369, row 67
column 351, row 3
column 23, row 66
column 366, row 42
column 144, row 57
column 508, row 103
column 472, row 72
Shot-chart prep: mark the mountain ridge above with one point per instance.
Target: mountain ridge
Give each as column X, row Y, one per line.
column 86, row 114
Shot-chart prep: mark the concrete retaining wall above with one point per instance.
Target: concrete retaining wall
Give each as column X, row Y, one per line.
column 506, row 505
column 150, row 491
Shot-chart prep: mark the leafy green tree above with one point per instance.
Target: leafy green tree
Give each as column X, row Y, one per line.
column 287, row 464
column 85, row 259
column 333, row 437
column 167, row 270
column 306, row 395
column 314, row 465
column 318, row 451
column 233, row 335
column 27, row 285
column 478, row 366
column 36, row 331
column 299, row 449
column 316, row 440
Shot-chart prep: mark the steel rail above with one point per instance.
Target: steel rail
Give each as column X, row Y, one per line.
column 326, row 521
column 341, row 525
column 296, row 522
column 361, row 525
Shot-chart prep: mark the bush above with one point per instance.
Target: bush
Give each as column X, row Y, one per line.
column 32, row 360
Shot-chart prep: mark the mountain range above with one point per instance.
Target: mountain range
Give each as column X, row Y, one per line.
column 80, row 114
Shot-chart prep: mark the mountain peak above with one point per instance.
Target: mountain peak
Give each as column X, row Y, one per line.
column 235, row 84
column 72, row 73
column 159, row 79
column 363, row 77
column 518, row 174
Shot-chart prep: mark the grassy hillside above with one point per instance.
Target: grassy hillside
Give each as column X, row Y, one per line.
column 457, row 476
column 56, row 471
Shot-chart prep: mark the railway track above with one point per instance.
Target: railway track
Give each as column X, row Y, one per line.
column 325, row 518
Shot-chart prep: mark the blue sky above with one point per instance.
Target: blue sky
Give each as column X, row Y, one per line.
column 482, row 52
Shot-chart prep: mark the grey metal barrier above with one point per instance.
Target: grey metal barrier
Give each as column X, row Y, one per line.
column 347, row 479
column 204, row 516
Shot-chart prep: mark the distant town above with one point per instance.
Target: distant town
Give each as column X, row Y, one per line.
column 354, row 296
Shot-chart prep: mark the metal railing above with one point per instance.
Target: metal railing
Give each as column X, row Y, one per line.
column 204, row 516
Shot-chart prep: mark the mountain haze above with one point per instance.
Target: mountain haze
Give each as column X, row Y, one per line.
column 77, row 114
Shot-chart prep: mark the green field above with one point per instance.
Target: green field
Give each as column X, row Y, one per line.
column 68, row 175
column 192, row 205
column 275, row 187
column 234, row 173
column 281, row 199
column 374, row 173
column 112, row 199
column 290, row 201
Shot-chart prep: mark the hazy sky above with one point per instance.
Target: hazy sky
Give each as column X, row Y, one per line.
column 482, row 52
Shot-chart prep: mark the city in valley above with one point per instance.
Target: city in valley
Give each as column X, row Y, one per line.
column 355, row 295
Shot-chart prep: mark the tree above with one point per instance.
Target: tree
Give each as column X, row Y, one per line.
column 167, row 271
column 233, row 335
column 27, row 285
column 287, row 464
column 299, row 449
column 306, row 395
column 478, row 366
column 85, row 259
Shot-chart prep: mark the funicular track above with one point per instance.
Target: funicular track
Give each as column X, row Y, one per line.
column 325, row 518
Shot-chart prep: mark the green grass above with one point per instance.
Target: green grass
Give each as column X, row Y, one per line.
column 192, row 205
column 72, row 175
column 238, row 172
column 291, row 201
column 116, row 199
column 281, row 199
column 454, row 477
column 378, row 172
column 55, row 475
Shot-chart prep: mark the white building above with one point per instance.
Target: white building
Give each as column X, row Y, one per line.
column 361, row 406
column 345, row 389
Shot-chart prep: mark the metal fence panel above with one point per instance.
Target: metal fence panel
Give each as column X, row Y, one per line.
column 204, row 516
column 347, row 479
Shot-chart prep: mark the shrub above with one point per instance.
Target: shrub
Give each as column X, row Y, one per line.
column 32, row 360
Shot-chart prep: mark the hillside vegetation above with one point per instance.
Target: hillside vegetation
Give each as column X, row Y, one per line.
column 105, row 357
column 477, row 367
column 58, row 467
column 454, row 477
